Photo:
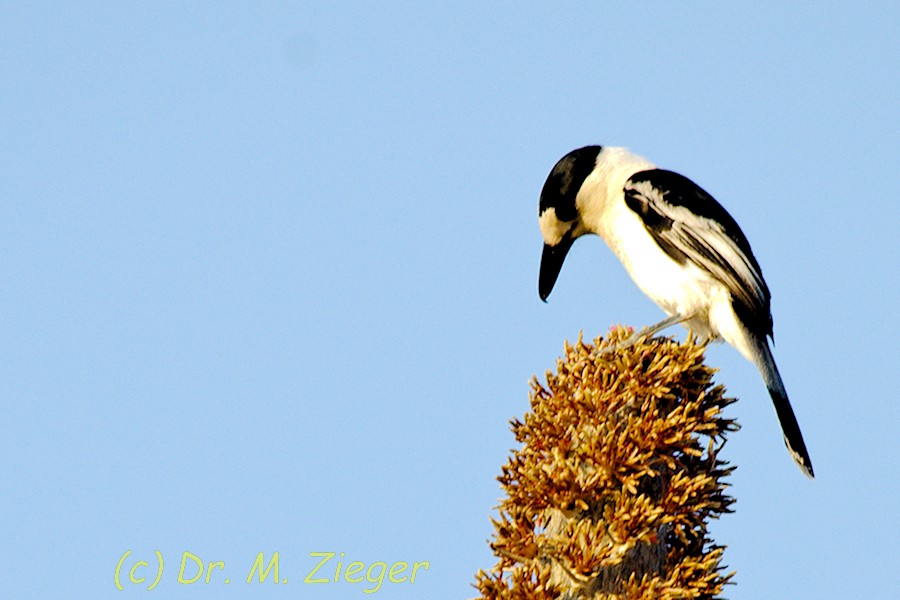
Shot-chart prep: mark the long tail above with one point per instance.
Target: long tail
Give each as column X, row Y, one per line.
column 793, row 439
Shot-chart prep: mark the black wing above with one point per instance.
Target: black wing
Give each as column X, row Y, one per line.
column 690, row 226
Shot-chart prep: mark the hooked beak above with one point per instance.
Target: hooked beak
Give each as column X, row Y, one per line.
column 551, row 264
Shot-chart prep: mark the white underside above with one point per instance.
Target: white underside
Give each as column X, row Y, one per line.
column 678, row 289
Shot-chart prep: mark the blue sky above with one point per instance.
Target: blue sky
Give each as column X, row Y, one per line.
column 268, row 276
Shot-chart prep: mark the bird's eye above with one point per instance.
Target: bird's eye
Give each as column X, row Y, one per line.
column 566, row 211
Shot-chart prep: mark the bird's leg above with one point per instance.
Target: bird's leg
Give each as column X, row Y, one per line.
column 654, row 329
column 646, row 332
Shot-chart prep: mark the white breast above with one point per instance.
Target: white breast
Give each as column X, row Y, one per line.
column 677, row 289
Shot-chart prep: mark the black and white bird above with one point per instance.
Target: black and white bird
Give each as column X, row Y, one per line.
column 680, row 247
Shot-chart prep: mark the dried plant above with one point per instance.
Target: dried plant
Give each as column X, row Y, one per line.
column 617, row 479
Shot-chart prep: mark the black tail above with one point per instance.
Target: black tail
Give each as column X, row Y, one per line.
column 793, row 439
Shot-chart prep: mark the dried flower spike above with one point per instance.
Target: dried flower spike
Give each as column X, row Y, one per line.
column 618, row 475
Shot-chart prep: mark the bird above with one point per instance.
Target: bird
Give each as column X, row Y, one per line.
column 681, row 248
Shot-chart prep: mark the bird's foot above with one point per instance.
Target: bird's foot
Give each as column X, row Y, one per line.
column 646, row 332
column 631, row 340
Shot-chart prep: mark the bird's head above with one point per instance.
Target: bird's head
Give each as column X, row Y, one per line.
column 558, row 212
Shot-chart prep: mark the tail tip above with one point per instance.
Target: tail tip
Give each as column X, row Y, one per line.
column 802, row 460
